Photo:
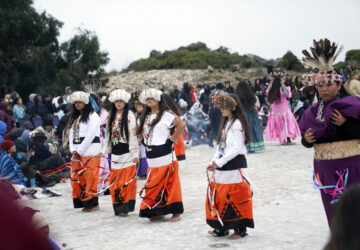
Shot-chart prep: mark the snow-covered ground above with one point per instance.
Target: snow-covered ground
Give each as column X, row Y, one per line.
column 288, row 212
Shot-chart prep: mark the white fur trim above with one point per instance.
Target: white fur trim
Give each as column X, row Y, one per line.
column 150, row 93
column 39, row 221
column 78, row 96
column 119, row 95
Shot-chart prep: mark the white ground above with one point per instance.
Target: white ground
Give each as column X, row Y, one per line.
column 288, row 212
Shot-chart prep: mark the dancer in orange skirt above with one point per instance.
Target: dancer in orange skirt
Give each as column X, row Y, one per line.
column 160, row 128
column 121, row 142
column 84, row 142
column 179, row 146
column 229, row 201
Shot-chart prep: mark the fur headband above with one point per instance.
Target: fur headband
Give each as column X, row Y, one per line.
column 119, row 95
column 150, row 93
column 79, row 96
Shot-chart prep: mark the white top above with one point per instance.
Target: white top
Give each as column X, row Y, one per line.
column 89, row 130
column 235, row 144
column 161, row 131
column 133, row 142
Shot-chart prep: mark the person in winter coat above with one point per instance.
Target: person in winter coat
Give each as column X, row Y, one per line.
column 186, row 95
column 175, row 94
column 205, row 98
column 5, row 115
column 38, row 108
column 3, row 127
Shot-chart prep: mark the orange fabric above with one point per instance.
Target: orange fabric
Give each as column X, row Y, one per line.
column 88, row 179
column 118, row 177
column 158, row 177
column 179, row 147
column 233, row 203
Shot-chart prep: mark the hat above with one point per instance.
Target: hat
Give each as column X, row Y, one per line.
column 150, row 93
column 6, row 145
column 67, row 88
column 38, row 134
column 78, row 96
column 9, row 137
column 182, row 103
column 47, row 122
column 219, row 85
column 119, row 95
column 225, row 101
column 39, row 221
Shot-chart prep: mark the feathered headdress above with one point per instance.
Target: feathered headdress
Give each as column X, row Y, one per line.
column 91, row 85
column 225, row 101
column 324, row 53
column 278, row 73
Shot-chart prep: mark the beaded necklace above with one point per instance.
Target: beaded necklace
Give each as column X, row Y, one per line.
column 319, row 115
column 116, row 125
column 76, row 131
column 148, row 130
column 224, row 136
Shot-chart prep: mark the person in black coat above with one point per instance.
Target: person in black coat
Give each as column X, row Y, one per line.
column 38, row 108
column 205, row 98
column 186, row 95
column 228, row 88
column 175, row 94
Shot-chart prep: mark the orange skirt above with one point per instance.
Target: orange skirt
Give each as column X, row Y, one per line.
column 179, row 148
column 123, row 189
column 84, row 184
column 229, row 207
column 162, row 191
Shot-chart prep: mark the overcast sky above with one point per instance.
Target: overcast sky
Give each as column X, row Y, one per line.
column 130, row 29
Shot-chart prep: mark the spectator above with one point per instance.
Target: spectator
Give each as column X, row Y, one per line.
column 228, row 88
column 205, row 99
column 186, row 95
column 175, row 94
column 48, row 130
column 8, row 166
column 5, row 115
column 345, row 228
column 47, row 100
column 3, row 128
column 18, row 110
column 38, row 108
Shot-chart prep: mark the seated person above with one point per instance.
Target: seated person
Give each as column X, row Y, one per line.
column 8, row 166
column 48, row 130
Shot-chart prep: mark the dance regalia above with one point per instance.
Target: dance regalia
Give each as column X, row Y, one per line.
column 228, row 200
column 85, row 139
column 257, row 139
column 281, row 123
column 179, row 148
column 337, row 149
column 122, row 180
column 162, row 188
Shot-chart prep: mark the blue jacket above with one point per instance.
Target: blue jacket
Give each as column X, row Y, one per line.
column 9, row 168
column 3, row 127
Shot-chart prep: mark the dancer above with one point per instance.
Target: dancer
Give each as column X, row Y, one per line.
column 143, row 165
column 248, row 100
column 160, row 128
column 281, row 124
column 121, row 142
column 229, row 201
column 332, row 127
column 179, row 146
column 84, row 142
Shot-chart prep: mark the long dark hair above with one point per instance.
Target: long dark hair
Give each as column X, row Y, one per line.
column 238, row 113
column 345, row 225
column 162, row 108
column 171, row 104
column 274, row 92
column 124, row 128
column 246, row 95
column 84, row 116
